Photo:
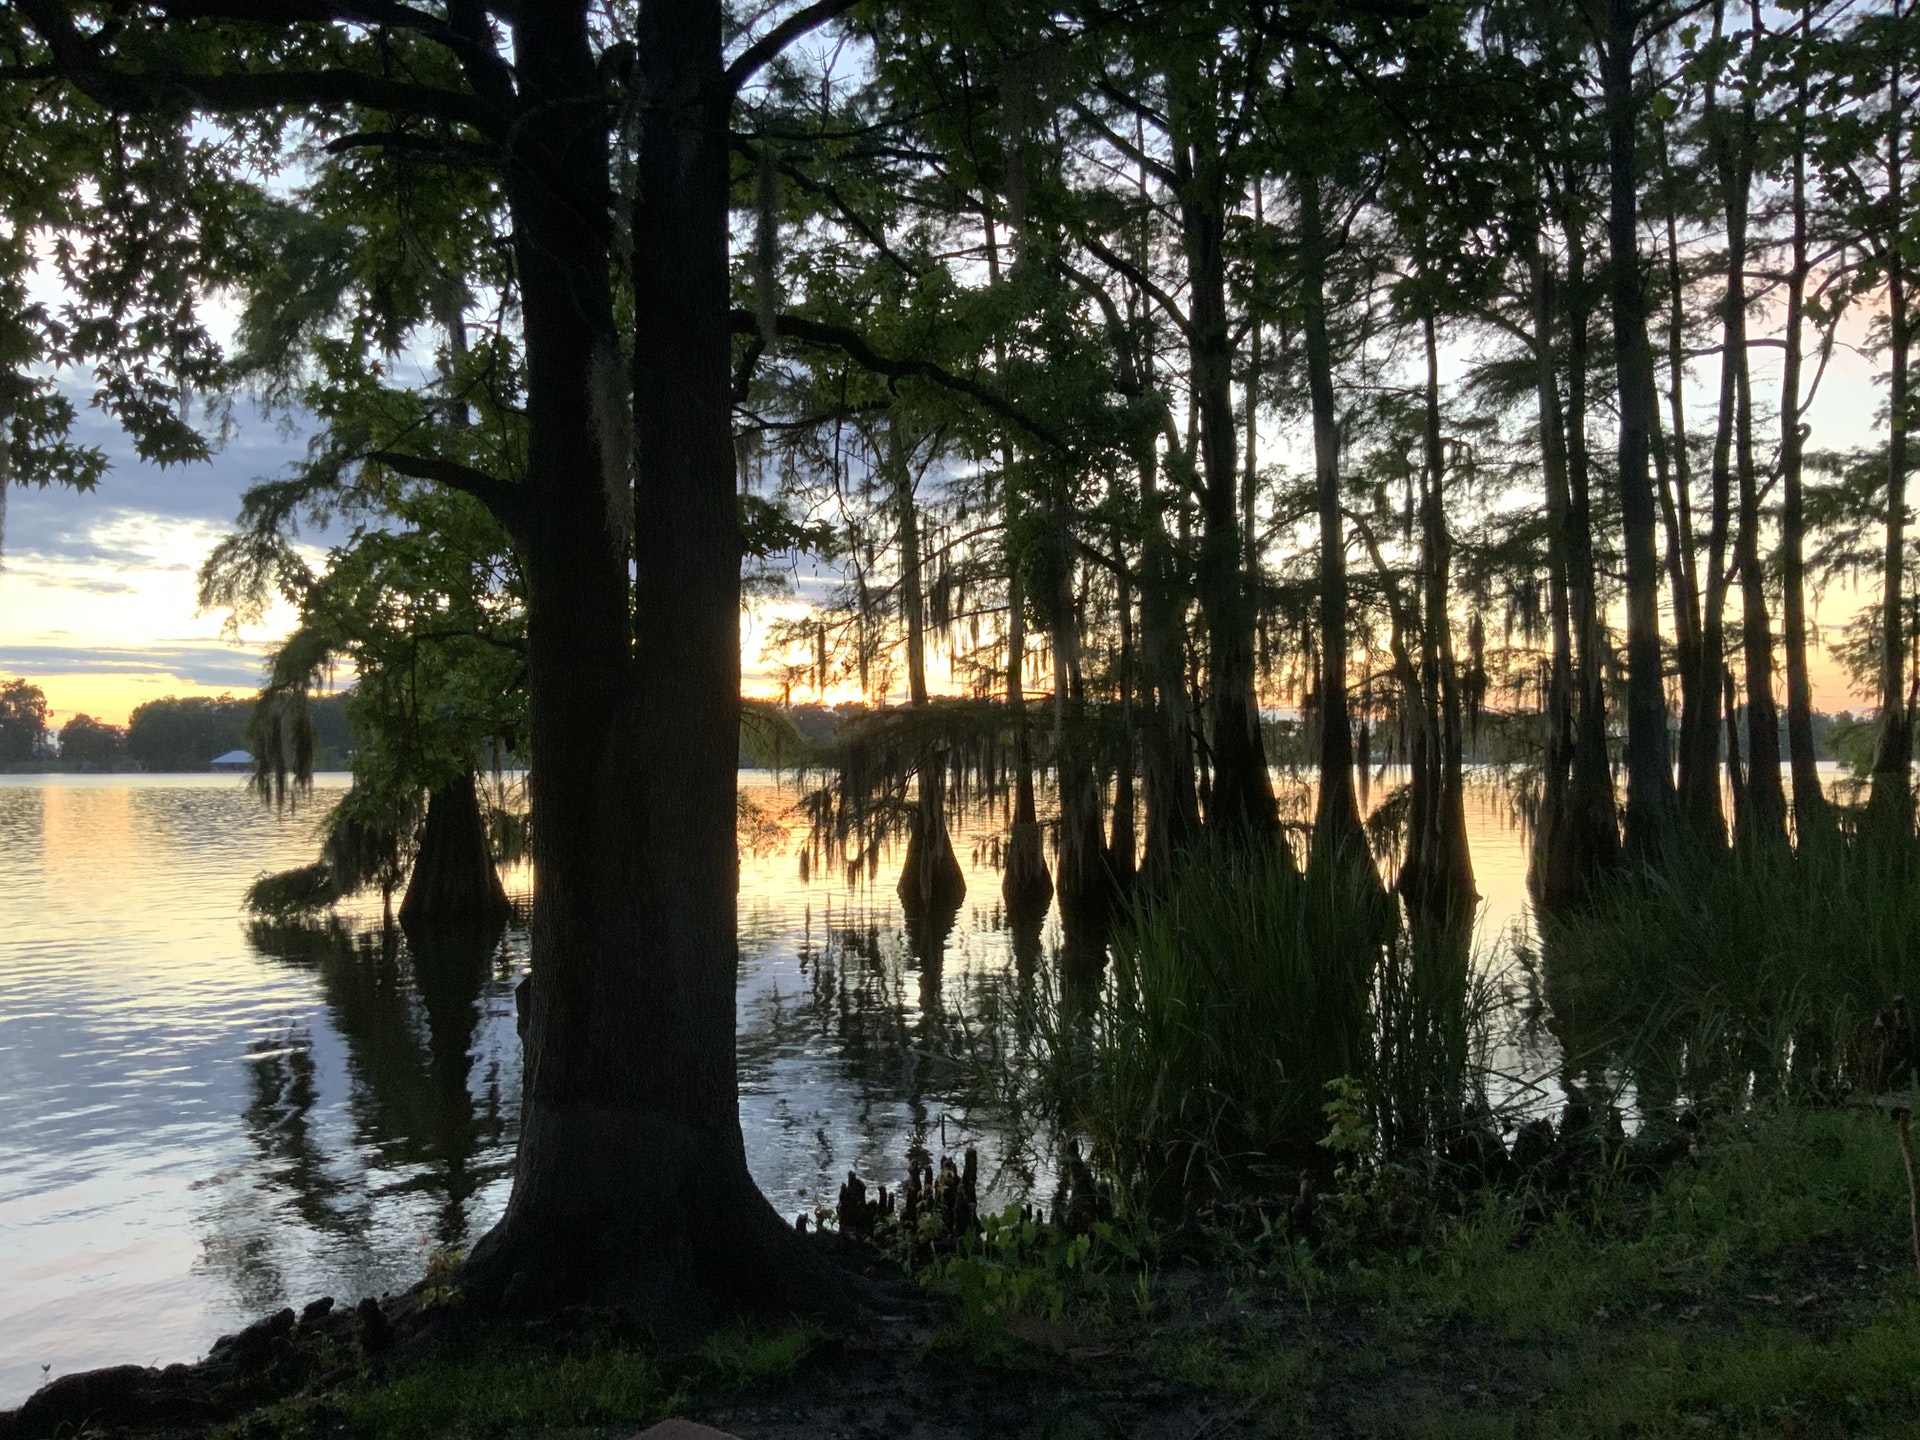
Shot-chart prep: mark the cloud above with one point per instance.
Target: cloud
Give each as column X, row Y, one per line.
column 201, row 663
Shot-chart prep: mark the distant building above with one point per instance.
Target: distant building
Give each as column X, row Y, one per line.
column 234, row 762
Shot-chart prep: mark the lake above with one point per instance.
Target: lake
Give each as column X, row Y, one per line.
column 206, row 1119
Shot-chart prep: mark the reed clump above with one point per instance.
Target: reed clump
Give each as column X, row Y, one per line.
column 1759, row 972
column 1243, row 996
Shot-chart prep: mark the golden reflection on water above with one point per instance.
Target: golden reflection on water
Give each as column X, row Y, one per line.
column 205, row 1120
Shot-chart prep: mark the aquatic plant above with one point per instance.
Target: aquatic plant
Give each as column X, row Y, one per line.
column 1752, row 971
column 1199, row 1065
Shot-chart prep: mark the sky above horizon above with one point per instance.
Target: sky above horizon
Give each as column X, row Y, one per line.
column 98, row 590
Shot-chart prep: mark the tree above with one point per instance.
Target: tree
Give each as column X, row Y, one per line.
column 186, row 733
column 90, row 742
column 632, row 1182
column 23, row 719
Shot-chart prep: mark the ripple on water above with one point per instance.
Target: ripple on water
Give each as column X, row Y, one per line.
column 204, row 1121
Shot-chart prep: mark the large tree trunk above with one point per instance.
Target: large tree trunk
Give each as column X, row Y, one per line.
column 453, row 880
column 1551, row 872
column 1241, row 803
column 1336, row 820
column 1437, row 877
column 1697, row 757
column 1766, row 813
column 1891, row 802
column 1167, row 764
column 1650, row 794
column 1592, row 831
column 931, row 883
column 1085, row 889
column 1122, row 847
column 1812, row 815
column 631, row 1185
column 1026, row 886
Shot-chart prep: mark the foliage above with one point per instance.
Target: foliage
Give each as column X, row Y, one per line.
column 90, row 742
column 23, row 719
column 1764, row 971
column 187, row 732
column 1012, row 1265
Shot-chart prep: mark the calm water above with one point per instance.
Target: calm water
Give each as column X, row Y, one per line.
column 202, row 1120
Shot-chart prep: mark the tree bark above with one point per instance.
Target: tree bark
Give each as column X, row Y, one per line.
column 1650, row 794
column 1026, row 886
column 1766, row 814
column 1173, row 812
column 1592, row 828
column 931, row 883
column 1336, row 821
column 1085, row 889
column 1812, row 815
column 1437, row 877
column 1242, row 806
column 631, row 1185
column 1552, row 875
column 453, row 880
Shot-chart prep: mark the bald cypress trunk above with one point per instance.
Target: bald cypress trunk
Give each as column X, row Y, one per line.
column 631, row 1184
column 1650, row 795
column 453, row 880
column 1336, row 821
column 1026, row 885
column 1593, row 830
column 1241, row 804
column 1891, row 802
column 931, row 883
column 1167, row 761
column 1437, row 877
column 1766, row 817
column 1812, row 815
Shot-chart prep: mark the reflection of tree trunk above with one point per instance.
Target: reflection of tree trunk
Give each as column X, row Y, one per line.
column 1811, row 813
column 450, row 970
column 1336, row 821
column 453, row 879
column 1650, row 797
column 1891, row 803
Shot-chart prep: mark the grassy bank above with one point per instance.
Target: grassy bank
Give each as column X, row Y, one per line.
column 1760, row 1287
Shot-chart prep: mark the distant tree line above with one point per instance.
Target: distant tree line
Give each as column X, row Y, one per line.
column 176, row 733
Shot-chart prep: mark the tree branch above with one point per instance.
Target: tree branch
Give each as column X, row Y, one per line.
column 81, row 62
column 854, row 346
column 768, row 47
column 507, row 502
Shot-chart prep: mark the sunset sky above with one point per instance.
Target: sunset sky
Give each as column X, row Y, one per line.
column 97, row 590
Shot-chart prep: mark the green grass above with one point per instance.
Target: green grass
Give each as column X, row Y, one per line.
column 1742, row 973
column 1761, row 1289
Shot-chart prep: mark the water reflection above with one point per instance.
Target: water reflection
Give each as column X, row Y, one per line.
column 409, row 1011
column 208, row 1119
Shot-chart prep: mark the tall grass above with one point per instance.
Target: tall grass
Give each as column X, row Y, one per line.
column 1200, row 1064
column 1763, row 971
column 1237, row 994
